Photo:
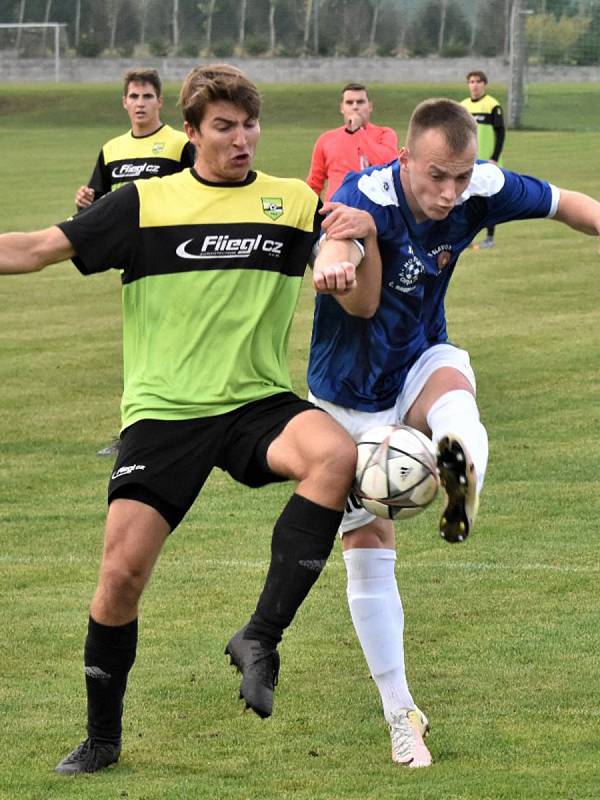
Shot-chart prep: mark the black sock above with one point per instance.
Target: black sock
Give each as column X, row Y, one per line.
column 108, row 656
column 302, row 541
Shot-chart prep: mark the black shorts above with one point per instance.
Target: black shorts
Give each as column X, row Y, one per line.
column 165, row 463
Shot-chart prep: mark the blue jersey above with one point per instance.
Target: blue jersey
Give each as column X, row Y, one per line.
column 362, row 363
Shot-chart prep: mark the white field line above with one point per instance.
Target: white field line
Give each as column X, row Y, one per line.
column 432, row 565
column 333, row 563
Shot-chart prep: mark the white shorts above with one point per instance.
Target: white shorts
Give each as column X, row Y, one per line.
column 358, row 422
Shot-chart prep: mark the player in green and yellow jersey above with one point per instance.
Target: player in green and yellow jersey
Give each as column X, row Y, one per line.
column 212, row 261
column 488, row 115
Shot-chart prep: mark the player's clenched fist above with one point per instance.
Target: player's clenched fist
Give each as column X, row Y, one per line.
column 337, row 278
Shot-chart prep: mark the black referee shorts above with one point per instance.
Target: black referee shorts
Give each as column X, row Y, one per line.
column 165, row 463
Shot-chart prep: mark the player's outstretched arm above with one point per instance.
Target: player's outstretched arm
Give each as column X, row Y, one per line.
column 30, row 252
column 579, row 211
column 341, row 268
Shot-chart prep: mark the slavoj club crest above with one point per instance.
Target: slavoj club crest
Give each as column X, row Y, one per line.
column 272, row 206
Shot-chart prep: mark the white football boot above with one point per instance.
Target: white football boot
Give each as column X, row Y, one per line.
column 408, row 727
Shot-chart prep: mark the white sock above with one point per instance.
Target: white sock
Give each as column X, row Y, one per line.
column 456, row 412
column 378, row 618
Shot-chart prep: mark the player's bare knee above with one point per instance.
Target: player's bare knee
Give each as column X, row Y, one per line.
column 379, row 533
column 335, row 460
column 122, row 582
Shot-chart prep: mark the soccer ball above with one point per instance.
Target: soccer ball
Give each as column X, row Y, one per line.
column 396, row 471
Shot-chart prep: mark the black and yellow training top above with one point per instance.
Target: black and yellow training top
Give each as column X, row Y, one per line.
column 487, row 112
column 127, row 158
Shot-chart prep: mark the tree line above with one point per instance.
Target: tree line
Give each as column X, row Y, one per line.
column 558, row 31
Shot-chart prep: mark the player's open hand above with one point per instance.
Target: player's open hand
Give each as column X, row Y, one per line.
column 84, row 197
column 344, row 222
column 338, row 278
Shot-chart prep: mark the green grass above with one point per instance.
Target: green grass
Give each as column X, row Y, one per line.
column 502, row 633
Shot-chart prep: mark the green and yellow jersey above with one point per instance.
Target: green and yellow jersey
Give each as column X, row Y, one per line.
column 490, row 126
column 211, row 279
column 127, row 158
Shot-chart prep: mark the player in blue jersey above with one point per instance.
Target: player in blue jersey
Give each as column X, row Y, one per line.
column 399, row 367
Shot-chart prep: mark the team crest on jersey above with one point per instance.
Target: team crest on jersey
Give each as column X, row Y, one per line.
column 442, row 254
column 272, row 206
column 408, row 277
column 158, row 148
column 443, row 260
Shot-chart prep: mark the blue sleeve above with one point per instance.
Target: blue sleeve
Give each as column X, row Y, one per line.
column 350, row 195
column 521, row 197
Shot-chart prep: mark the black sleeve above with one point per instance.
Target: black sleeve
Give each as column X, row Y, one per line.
column 317, row 221
column 188, row 156
column 315, row 234
column 100, row 180
column 104, row 235
column 499, row 132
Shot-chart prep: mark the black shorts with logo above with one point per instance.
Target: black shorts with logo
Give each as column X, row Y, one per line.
column 165, row 463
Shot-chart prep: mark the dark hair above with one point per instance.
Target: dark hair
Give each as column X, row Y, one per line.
column 354, row 87
column 477, row 73
column 457, row 124
column 142, row 76
column 214, row 83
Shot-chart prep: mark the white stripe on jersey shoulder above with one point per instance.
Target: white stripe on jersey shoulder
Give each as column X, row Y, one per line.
column 555, row 201
column 378, row 186
column 486, row 181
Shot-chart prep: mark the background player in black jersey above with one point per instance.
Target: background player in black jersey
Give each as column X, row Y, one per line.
column 148, row 150
column 487, row 112
column 212, row 261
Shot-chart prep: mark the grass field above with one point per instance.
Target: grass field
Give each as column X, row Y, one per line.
column 503, row 634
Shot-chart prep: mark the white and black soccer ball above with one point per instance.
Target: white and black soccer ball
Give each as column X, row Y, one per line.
column 396, row 471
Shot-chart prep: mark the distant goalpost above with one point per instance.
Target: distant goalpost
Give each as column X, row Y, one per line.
column 54, row 28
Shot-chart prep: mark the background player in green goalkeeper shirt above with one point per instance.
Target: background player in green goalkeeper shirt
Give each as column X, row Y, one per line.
column 488, row 115
column 212, row 262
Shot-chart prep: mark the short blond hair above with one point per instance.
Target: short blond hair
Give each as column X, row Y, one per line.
column 214, row 83
column 453, row 119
